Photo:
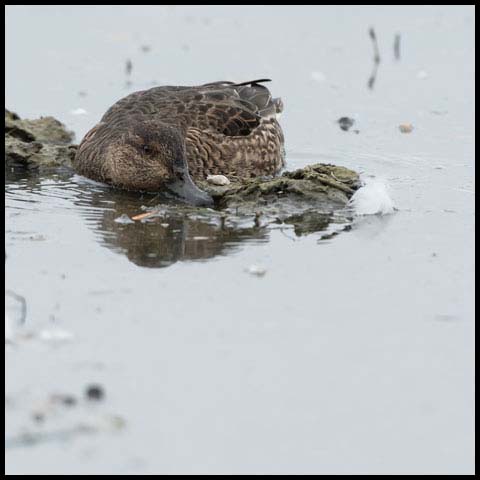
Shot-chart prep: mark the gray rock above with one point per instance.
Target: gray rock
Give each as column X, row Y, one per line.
column 44, row 142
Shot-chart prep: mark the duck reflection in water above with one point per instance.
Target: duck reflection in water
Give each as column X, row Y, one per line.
column 176, row 233
column 182, row 233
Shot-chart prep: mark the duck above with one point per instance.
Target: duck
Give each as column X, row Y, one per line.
column 166, row 138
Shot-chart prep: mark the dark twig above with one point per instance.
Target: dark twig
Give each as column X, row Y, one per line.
column 376, row 58
column 396, row 47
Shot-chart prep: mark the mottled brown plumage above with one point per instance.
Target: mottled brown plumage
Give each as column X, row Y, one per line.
column 154, row 138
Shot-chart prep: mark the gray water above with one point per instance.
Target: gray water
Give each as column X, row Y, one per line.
column 353, row 354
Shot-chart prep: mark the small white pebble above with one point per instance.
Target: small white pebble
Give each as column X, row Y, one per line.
column 220, row 180
column 55, row 335
column 78, row 111
column 124, row 219
column 165, row 225
column 256, row 270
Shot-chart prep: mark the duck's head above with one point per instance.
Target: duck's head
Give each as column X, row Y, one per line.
column 140, row 154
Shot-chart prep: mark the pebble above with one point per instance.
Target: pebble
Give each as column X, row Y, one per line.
column 405, row 127
column 124, row 219
column 220, row 180
column 78, row 111
column 256, row 270
column 94, row 392
column 55, row 335
column 346, row 123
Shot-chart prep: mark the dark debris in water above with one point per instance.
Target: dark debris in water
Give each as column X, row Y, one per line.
column 396, row 47
column 57, row 419
column 94, row 392
column 346, row 123
column 128, row 67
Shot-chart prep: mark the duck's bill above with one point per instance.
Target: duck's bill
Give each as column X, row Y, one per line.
column 189, row 192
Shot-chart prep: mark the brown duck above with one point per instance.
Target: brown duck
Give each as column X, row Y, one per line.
column 158, row 139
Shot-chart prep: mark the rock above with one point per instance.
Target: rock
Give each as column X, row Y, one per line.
column 256, row 270
column 405, row 127
column 44, row 142
column 94, row 392
column 220, row 180
column 124, row 219
column 329, row 184
column 346, row 123
column 55, row 335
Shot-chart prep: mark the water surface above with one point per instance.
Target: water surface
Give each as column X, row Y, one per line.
column 351, row 354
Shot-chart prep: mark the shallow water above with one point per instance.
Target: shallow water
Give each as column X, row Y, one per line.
column 351, row 354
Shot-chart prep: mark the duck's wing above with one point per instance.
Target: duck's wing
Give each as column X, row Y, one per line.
column 233, row 109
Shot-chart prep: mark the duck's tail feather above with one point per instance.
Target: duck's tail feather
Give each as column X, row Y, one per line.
column 253, row 82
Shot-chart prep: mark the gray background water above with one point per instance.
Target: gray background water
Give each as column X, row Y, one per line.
column 353, row 355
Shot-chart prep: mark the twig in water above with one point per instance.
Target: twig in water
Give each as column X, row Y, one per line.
column 141, row 216
column 396, row 47
column 376, row 51
column 376, row 58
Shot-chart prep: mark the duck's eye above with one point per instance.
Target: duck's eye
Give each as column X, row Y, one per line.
column 146, row 149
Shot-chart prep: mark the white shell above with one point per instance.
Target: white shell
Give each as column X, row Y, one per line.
column 220, row 180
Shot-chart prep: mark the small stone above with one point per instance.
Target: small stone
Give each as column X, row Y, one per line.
column 55, row 335
column 220, row 180
column 94, row 392
column 346, row 123
column 78, row 111
column 124, row 219
column 256, row 270
column 405, row 127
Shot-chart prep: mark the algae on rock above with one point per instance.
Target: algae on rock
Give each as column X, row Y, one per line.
column 329, row 184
